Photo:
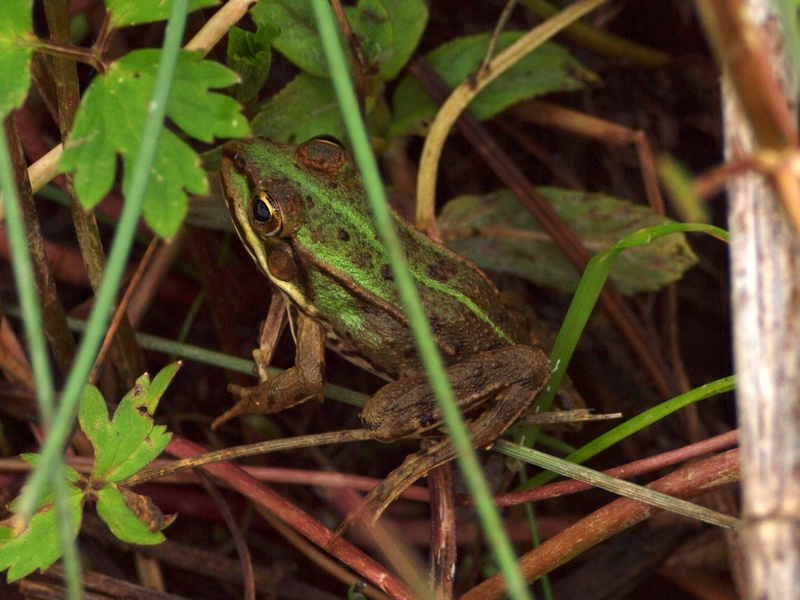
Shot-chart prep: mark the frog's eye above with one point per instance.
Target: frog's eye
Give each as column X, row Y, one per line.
column 265, row 214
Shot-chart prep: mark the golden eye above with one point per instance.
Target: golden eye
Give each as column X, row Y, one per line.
column 265, row 214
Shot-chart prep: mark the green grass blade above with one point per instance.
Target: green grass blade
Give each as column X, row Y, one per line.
column 52, row 448
column 467, row 457
column 637, row 423
column 617, row 486
column 22, row 265
column 592, row 282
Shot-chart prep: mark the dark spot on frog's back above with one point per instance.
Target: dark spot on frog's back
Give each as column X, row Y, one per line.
column 436, row 324
column 371, row 309
column 343, row 235
column 427, row 421
column 441, row 270
column 310, row 201
column 386, row 273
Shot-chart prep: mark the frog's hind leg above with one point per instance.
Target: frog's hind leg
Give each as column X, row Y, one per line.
column 487, row 427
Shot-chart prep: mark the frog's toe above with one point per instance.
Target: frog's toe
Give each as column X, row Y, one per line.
column 339, row 532
column 238, row 410
column 361, row 511
column 242, row 407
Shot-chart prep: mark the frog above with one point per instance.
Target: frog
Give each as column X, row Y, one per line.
column 302, row 213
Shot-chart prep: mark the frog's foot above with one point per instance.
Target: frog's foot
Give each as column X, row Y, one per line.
column 486, row 428
column 247, row 405
column 414, row 466
column 362, row 511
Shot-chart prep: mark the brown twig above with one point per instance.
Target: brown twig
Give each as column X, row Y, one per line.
column 691, row 481
column 56, row 329
column 299, row 520
column 245, row 560
column 443, row 531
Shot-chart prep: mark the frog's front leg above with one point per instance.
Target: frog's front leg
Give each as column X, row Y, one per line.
column 294, row 386
column 501, row 384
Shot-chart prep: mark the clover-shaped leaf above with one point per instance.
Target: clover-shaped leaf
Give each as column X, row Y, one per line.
column 110, row 123
column 130, row 441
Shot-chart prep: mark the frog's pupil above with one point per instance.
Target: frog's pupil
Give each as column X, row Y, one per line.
column 261, row 212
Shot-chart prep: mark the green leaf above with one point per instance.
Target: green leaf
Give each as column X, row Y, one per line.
column 38, row 546
column 373, row 30
column 131, row 440
column 389, row 31
column 131, row 517
column 160, row 384
column 122, row 447
column 93, row 419
column 549, row 68
column 249, row 55
column 134, row 12
column 16, row 38
column 497, row 233
column 299, row 39
column 679, row 182
column 70, row 474
column 111, row 118
column 306, row 107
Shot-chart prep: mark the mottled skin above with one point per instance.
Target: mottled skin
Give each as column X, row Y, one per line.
column 302, row 213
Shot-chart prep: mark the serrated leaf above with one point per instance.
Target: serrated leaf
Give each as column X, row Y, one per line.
column 549, row 68
column 299, row 38
column 304, row 108
column 16, row 37
column 131, row 440
column 38, row 546
column 111, row 118
column 159, row 385
column 131, row 517
column 497, row 233
column 135, row 12
column 250, row 56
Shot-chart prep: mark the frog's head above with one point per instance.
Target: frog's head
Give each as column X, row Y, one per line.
column 293, row 205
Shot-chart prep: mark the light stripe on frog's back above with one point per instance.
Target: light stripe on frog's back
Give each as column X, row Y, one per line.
column 356, row 222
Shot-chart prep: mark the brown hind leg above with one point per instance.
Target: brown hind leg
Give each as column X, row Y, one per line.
column 487, row 427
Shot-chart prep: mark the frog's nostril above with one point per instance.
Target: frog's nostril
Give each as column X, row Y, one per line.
column 240, row 162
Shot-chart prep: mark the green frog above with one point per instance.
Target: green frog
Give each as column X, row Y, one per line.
column 302, row 213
